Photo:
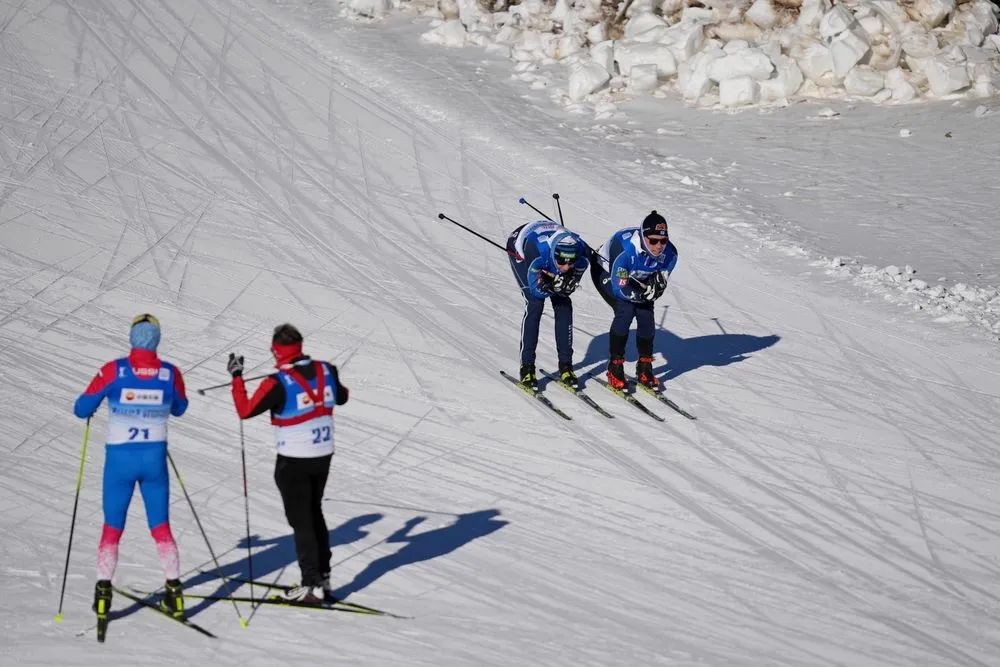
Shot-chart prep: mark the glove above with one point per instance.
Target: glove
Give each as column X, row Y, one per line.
column 566, row 284
column 235, row 365
column 655, row 287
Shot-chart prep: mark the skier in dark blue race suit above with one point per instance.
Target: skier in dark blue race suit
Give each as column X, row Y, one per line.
column 631, row 272
column 548, row 261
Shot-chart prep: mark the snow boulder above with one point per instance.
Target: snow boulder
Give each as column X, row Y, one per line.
column 603, row 53
column 370, row 8
column 586, row 78
column 816, row 63
column 738, row 92
column 786, row 81
column 692, row 76
column 629, row 55
column 762, row 14
column 864, row 81
column 450, row 33
column 744, row 63
column 643, row 78
column 945, row 77
column 847, row 49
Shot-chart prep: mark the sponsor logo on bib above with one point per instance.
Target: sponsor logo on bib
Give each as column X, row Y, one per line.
column 142, row 396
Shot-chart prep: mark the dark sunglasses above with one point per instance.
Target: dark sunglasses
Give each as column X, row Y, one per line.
column 652, row 241
column 563, row 261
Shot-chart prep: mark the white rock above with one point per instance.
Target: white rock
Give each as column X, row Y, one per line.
column 749, row 62
column 847, row 49
column 738, row 92
column 827, row 112
column 603, row 53
column 863, row 80
column 736, row 45
column 981, row 111
column 762, row 14
column 918, row 284
column 891, row 270
column 628, row 55
column 905, row 133
column 897, row 82
column 597, row 33
column 685, row 40
column 933, row 12
column 816, row 63
column 786, row 81
column 837, row 261
column 370, row 8
column 697, row 15
column 835, row 21
column 883, row 95
column 585, row 78
column 945, row 77
column 692, row 77
column 919, row 43
column 811, row 12
column 450, row 33
column 643, row 78
column 873, row 25
column 644, row 23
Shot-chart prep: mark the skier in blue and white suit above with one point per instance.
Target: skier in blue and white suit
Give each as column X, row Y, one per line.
column 631, row 272
column 548, row 261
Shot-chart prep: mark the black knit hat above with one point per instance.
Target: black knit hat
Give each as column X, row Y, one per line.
column 654, row 225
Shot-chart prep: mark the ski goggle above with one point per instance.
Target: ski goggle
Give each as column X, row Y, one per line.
column 146, row 317
column 564, row 258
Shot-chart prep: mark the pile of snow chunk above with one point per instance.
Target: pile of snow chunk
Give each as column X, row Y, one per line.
column 739, row 52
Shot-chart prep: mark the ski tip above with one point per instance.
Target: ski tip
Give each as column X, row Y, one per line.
column 243, row 623
column 58, row 618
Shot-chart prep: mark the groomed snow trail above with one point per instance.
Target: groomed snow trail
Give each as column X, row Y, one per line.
column 229, row 166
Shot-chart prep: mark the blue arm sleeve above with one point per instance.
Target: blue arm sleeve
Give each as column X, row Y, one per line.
column 621, row 283
column 87, row 404
column 179, row 406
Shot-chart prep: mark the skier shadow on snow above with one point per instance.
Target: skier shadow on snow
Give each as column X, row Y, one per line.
column 277, row 556
column 425, row 546
column 683, row 354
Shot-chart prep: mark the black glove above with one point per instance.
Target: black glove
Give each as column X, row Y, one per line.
column 655, row 287
column 235, row 365
column 566, row 284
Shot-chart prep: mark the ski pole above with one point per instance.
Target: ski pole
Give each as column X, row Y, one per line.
column 72, row 525
column 442, row 216
column 226, row 384
column 218, row 568
column 522, row 200
column 555, row 195
column 246, row 505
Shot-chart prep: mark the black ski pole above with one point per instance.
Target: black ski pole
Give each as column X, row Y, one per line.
column 72, row 524
column 555, row 195
column 226, row 384
column 218, row 568
column 442, row 216
column 522, row 200
column 246, row 505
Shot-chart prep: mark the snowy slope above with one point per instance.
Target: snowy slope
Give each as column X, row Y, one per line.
column 230, row 166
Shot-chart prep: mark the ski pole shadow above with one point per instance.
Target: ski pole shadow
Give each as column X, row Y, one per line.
column 684, row 354
column 270, row 556
column 425, row 546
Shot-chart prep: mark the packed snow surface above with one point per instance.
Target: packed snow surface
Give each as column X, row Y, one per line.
column 232, row 165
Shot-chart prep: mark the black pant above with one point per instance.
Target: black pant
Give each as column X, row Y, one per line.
column 301, row 483
column 625, row 312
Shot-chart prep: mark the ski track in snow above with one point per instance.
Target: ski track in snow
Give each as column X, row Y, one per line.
column 232, row 165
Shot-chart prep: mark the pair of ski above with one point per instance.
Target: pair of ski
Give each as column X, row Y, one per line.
column 103, row 620
column 330, row 604
column 627, row 396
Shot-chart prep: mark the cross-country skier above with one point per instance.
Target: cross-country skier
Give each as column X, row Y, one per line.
column 143, row 392
column 548, row 261
column 301, row 397
column 641, row 259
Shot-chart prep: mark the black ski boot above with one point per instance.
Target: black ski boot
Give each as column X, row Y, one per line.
column 568, row 378
column 102, row 606
column 528, row 379
column 173, row 598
